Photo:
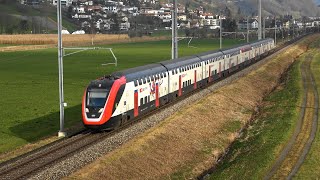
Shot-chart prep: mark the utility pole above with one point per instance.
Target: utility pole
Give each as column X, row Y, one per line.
column 61, row 133
column 260, row 22
column 264, row 28
column 174, row 51
column 248, row 29
column 220, row 32
column 275, row 31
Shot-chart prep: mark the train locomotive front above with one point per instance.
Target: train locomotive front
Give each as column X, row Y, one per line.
column 100, row 100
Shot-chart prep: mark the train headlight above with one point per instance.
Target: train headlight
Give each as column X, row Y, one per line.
column 100, row 110
column 87, row 110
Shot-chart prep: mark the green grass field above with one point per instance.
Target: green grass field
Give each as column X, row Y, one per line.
column 251, row 155
column 29, row 103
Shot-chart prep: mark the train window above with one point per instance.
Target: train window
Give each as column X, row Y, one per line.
column 152, row 78
column 141, row 101
column 146, row 99
column 165, row 74
column 161, row 75
column 149, row 79
column 144, row 80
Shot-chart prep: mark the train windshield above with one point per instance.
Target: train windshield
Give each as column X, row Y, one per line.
column 97, row 98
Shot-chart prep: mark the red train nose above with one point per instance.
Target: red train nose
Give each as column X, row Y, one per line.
column 104, row 113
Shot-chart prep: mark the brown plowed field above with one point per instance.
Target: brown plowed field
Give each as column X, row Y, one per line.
column 190, row 141
column 24, row 42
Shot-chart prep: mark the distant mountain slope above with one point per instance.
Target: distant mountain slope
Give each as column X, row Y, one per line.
column 17, row 18
column 297, row 8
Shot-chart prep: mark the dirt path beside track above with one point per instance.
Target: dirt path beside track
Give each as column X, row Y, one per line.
column 294, row 153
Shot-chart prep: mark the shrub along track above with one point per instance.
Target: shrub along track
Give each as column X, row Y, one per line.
column 295, row 152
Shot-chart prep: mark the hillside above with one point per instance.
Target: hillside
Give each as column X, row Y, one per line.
column 297, row 8
column 17, row 18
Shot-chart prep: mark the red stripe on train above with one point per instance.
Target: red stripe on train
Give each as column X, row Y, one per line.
column 157, row 95
column 180, row 90
column 195, row 79
column 136, row 107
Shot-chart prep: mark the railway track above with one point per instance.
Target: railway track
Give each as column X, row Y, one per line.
column 29, row 164
column 295, row 152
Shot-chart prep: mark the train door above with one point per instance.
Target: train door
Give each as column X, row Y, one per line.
column 237, row 61
column 230, row 65
column 125, row 109
column 202, row 70
column 219, row 68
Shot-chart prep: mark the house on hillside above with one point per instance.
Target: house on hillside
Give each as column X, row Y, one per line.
column 66, row 3
column 30, row 2
column 253, row 24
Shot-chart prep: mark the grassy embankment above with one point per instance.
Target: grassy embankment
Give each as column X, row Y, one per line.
column 191, row 140
column 254, row 152
column 29, row 84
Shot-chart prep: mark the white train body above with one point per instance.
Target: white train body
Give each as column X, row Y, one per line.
column 134, row 92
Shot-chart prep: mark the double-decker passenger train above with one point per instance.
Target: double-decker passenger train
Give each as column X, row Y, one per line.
column 122, row 96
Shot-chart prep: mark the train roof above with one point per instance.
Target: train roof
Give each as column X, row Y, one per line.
column 180, row 62
column 139, row 72
column 258, row 42
column 210, row 54
column 151, row 69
